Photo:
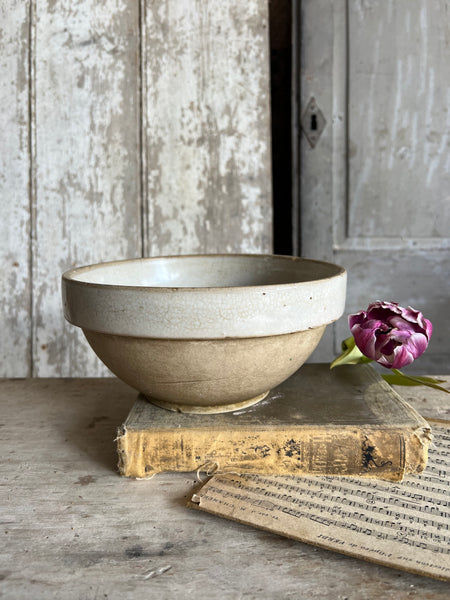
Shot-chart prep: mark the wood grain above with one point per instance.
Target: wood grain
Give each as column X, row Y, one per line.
column 399, row 119
column 87, row 152
column 321, row 76
column 206, row 126
column 15, row 221
column 374, row 190
column 129, row 128
column 73, row 529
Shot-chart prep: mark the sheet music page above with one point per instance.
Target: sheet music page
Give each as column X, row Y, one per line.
column 403, row 525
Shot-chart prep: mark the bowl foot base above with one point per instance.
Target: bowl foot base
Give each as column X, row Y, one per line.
column 192, row 408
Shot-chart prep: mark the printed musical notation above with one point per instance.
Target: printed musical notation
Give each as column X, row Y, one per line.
column 404, row 525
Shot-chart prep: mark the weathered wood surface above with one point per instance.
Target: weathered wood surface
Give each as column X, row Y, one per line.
column 128, row 128
column 87, row 162
column 207, row 126
column 399, row 119
column 374, row 190
column 317, row 179
column 15, row 219
column 72, row 528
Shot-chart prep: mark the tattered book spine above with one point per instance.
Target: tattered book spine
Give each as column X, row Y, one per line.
column 384, row 454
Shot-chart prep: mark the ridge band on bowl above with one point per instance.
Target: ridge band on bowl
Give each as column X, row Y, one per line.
column 204, row 333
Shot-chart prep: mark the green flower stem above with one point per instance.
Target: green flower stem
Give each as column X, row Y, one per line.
column 352, row 355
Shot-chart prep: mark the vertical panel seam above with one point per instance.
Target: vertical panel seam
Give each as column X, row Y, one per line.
column 339, row 125
column 32, row 174
column 142, row 84
column 347, row 118
column 295, row 126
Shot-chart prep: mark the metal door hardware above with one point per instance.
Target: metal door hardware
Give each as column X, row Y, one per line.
column 313, row 122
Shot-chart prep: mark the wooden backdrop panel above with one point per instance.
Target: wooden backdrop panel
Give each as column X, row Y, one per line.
column 399, row 106
column 15, row 219
column 87, row 161
column 374, row 189
column 128, row 129
column 206, row 125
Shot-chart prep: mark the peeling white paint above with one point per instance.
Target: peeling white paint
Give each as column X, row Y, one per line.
column 399, row 86
column 205, row 184
column 15, row 293
column 388, row 222
column 87, row 194
column 207, row 127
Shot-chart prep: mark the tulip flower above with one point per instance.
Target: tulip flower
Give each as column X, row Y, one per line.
column 392, row 336
column 389, row 334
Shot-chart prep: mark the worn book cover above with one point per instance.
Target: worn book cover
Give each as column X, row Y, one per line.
column 405, row 525
column 344, row 421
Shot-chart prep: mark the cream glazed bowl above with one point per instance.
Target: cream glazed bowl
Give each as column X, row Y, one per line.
column 204, row 333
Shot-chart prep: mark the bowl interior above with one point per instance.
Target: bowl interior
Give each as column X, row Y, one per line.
column 213, row 271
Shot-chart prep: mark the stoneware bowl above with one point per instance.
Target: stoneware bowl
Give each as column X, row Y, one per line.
column 206, row 333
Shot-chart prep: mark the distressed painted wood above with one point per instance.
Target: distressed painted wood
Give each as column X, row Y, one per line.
column 72, row 528
column 206, row 126
column 15, row 292
column 128, row 128
column 399, row 119
column 87, row 161
column 317, row 174
column 380, row 76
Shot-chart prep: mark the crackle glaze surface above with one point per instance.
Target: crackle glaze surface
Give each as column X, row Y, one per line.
column 208, row 332
column 204, row 297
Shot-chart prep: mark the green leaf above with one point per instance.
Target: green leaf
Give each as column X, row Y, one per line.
column 351, row 355
column 399, row 378
column 349, row 343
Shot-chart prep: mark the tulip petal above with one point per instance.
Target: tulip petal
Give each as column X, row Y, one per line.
column 365, row 336
column 417, row 344
column 356, row 319
column 402, row 357
column 390, row 334
column 402, row 325
column 365, row 340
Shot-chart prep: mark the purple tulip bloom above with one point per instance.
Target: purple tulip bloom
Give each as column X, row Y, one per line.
column 391, row 335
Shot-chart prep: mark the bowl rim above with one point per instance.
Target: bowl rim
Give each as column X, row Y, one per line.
column 205, row 312
column 68, row 276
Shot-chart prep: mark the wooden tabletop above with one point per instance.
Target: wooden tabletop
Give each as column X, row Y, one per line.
column 73, row 528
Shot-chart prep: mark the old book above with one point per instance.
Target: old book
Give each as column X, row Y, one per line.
column 342, row 422
column 406, row 525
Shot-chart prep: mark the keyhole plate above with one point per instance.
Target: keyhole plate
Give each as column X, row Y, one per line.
column 313, row 122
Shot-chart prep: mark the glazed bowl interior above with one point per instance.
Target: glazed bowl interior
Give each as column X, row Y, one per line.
column 206, row 271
